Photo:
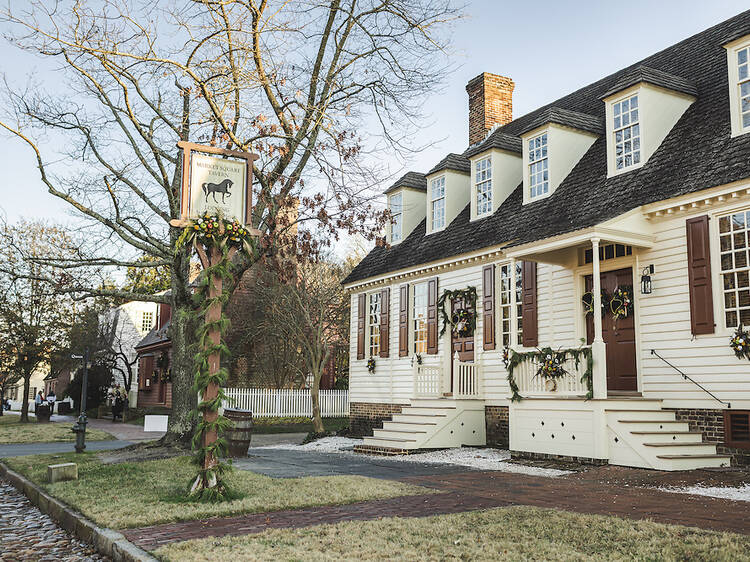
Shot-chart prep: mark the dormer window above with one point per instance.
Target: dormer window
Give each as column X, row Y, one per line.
column 538, row 166
column 395, row 204
column 627, row 133
column 743, row 74
column 437, row 203
column 483, row 186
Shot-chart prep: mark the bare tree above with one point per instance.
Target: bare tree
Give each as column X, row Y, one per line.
column 314, row 313
column 33, row 315
column 318, row 88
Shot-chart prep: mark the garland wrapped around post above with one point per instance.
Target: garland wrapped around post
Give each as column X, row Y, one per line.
column 216, row 241
column 550, row 366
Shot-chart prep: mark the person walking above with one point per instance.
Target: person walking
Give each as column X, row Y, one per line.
column 51, row 398
column 38, row 401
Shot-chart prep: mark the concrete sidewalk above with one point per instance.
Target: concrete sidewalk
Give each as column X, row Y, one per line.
column 24, row 449
column 124, row 431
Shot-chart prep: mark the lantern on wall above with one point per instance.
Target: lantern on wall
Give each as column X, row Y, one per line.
column 646, row 280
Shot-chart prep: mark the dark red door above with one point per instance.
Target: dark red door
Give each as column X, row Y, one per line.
column 619, row 335
column 463, row 344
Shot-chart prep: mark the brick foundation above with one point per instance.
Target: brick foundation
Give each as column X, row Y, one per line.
column 366, row 416
column 551, row 457
column 497, row 426
column 711, row 424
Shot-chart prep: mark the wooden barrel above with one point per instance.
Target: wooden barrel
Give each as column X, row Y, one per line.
column 238, row 436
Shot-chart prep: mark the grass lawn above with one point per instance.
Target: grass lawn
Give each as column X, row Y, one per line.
column 145, row 493
column 296, row 425
column 13, row 431
column 515, row 533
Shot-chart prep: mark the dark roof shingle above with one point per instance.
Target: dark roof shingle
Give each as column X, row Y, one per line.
column 412, row 180
column 574, row 119
column 497, row 139
column 642, row 73
column 699, row 146
column 454, row 162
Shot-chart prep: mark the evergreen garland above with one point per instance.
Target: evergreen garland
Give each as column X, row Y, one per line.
column 467, row 317
column 541, row 356
column 205, row 234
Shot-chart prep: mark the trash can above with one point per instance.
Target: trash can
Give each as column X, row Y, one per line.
column 238, row 436
column 43, row 413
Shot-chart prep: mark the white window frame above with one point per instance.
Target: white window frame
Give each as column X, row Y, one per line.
column 418, row 328
column 510, row 333
column 728, row 249
column 397, row 217
column 147, row 314
column 734, row 49
column 373, row 324
column 538, row 166
column 620, row 128
column 439, row 183
column 483, row 186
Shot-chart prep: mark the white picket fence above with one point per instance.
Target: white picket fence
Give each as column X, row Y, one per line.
column 270, row 402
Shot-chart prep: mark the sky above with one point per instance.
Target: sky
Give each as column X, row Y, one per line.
column 549, row 49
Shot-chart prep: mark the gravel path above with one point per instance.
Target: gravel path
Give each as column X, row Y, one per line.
column 27, row 534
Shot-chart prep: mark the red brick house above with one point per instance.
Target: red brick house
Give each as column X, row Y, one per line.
column 155, row 363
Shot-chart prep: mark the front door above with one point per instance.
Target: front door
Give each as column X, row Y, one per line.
column 464, row 344
column 619, row 335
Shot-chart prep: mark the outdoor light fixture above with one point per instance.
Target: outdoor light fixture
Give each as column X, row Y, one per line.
column 646, row 279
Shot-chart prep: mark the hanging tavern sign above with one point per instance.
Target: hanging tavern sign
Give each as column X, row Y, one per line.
column 216, row 181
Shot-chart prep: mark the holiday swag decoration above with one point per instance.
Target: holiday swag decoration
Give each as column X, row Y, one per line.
column 621, row 303
column 740, row 343
column 371, row 364
column 551, row 367
column 588, row 302
column 463, row 321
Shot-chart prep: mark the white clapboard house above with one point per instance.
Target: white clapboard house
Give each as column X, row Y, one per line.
column 589, row 259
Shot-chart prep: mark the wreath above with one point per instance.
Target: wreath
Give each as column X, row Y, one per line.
column 371, row 364
column 166, row 375
column 621, row 303
column 588, row 302
column 740, row 343
column 551, row 364
column 463, row 322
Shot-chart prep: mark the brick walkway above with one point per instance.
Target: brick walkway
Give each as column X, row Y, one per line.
column 477, row 490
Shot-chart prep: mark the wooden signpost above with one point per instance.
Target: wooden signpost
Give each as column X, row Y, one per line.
column 216, row 198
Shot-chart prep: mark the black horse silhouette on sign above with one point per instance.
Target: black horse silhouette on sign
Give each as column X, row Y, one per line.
column 214, row 188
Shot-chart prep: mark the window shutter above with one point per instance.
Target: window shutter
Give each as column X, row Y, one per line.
column 528, row 303
column 403, row 321
column 432, row 316
column 737, row 428
column 488, row 306
column 699, row 276
column 385, row 321
column 361, row 315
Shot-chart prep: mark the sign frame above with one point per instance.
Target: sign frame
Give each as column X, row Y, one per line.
column 188, row 149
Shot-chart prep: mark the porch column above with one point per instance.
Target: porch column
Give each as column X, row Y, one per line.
column 598, row 347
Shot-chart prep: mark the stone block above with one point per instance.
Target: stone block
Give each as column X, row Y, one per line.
column 62, row 472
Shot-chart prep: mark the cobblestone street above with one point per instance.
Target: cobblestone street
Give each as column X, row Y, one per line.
column 27, row 534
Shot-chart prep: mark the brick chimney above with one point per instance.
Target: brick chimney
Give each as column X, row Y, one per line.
column 490, row 103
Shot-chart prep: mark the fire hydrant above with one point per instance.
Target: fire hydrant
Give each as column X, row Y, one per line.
column 79, row 428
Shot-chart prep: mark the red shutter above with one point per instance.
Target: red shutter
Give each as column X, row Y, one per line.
column 432, row 316
column 528, row 302
column 488, row 306
column 385, row 321
column 403, row 321
column 361, row 315
column 699, row 276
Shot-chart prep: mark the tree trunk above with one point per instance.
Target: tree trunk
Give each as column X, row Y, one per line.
column 182, row 335
column 2, row 401
column 25, row 398
column 317, row 420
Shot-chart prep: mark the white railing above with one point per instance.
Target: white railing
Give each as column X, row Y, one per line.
column 467, row 382
column 427, row 381
column 529, row 384
column 271, row 402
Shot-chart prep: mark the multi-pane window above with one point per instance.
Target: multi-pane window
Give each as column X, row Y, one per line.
column 506, row 284
column 627, row 132
column 735, row 269
column 538, row 166
column 437, row 198
column 743, row 70
column 483, row 185
column 396, row 208
column 373, row 324
column 147, row 321
column 419, row 316
column 608, row 252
